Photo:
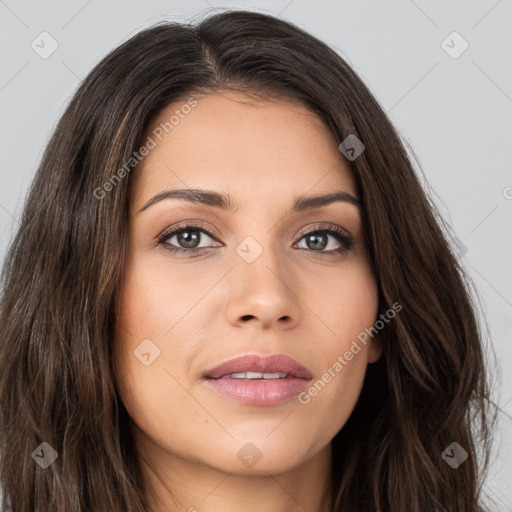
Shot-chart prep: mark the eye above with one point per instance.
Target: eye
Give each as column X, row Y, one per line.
column 318, row 240
column 186, row 239
column 193, row 239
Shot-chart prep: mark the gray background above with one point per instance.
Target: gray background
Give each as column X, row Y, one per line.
column 454, row 112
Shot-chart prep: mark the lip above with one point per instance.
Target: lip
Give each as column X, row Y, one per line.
column 261, row 392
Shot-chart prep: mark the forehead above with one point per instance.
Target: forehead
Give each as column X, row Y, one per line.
column 244, row 146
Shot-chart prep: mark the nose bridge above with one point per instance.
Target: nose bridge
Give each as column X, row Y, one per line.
column 260, row 249
column 261, row 282
column 260, row 262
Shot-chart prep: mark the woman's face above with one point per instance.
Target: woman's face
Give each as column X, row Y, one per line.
column 262, row 279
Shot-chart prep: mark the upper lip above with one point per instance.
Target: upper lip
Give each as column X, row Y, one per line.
column 262, row 363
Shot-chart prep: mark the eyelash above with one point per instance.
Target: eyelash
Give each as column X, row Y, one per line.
column 345, row 240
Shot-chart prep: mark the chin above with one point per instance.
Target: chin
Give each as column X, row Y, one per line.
column 257, row 455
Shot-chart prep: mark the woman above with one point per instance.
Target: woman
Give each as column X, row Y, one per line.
column 229, row 291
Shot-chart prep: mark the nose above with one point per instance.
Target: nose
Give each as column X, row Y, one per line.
column 262, row 294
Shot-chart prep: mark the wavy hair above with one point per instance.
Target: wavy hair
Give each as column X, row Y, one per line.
column 61, row 280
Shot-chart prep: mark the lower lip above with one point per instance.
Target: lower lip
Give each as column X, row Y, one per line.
column 262, row 392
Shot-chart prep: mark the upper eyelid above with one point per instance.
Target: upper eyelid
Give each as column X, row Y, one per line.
column 190, row 225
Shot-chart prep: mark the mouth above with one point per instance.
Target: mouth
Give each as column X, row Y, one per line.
column 256, row 375
column 259, row 379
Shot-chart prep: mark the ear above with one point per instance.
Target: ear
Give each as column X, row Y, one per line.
column 375, row 348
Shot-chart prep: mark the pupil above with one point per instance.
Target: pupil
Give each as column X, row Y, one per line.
column 187, row 240
column 317, row 241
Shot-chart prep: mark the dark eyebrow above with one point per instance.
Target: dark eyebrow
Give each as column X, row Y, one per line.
column 224, row 201
column 195, row 195
column 303, row 203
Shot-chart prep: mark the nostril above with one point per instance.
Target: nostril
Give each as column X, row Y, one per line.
column 247, row 317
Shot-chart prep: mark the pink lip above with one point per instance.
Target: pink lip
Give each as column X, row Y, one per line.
column 264, row 392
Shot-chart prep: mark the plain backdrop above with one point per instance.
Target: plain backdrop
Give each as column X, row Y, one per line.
column 441, row 69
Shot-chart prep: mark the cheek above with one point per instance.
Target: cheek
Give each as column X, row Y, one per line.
column 149, row 305
column 156, row 306
column 347, row 303
column 154, row 343
column 350, row 311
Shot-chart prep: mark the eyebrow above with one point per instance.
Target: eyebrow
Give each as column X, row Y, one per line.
column 225, row 202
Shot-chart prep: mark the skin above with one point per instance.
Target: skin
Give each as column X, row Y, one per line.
column 305, row 304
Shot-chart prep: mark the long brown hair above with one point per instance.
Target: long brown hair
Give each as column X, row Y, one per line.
column 62, row 273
